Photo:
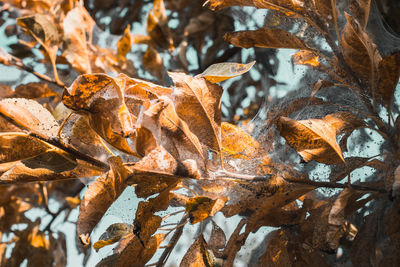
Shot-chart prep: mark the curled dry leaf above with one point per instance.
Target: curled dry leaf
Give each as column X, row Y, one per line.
column 113, row 234
column 101, row 98
column 360, row 9
column 237, row 143
column 76, row 25
column 196, row 255
column 99, row 197
column 222, row 71
column 154, row 173
column 389, row 73
column 198, row 103
column 153, row 63
column 124, row 43
column 315, row 139
column 200, row 208
column 34, row 91
column 359, row 51
column 265, row 37
column 217, row 239
column 19, row 146
column 45, row 32
column 30, row 115
column 286, row 6
column 157, row 26
column 41, row 171
column 304, row 57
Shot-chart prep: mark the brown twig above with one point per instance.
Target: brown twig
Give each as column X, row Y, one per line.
column 11, row 60
column 174, row 239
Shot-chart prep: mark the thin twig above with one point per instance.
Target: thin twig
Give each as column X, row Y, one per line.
column 14, row 61
column 174, row 239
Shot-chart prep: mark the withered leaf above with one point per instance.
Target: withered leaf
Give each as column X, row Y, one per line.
column 315, row 139
column 304, row 57
column 198, row 103
column 124, row 42
column 359, row 51
column 56, row 161
column 179, row 132
column 265, row 37
column 113, row 234
column 30, row 115
column 99, row 197
column 101, row 98
column 196, row 255
column 34, row 91
column 76, row 24
column 19, row 146
column 45, row 32
column 222, row 71
column 360, row 10
column 157, row 26
column 286, row 6
column 200, row 208
column 154, row 173
column 217, row 239
column 134, row 254
column 237, row 143
column 389, row 73
column 153, row 63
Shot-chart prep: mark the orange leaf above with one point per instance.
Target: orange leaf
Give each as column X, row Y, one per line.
column 237, row 143
column 200, row 208
column 304, row 57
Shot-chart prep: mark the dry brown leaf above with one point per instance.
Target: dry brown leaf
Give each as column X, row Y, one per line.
column 153, row 63
column 196, row 256
column 359, row 51
column 19, row 146
column 34, row 91
column 30, row 115
column 45, row 32
column 265, row 37
column 99, row 197
column 217, row 239
column 154, row 173
column 114, row 233
column 200, row 208
column 360, row 10
column 321, row 84
column 237, row 143
column 134, row 254
column 157, row 26
column 286, row 6
column 101, row 98
column 389, row 73
column 198, row 103
column 124, row 42
column 21, row 173
column 304, row 57
column 76, row 25
column 315, row 139
column 222, row 71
